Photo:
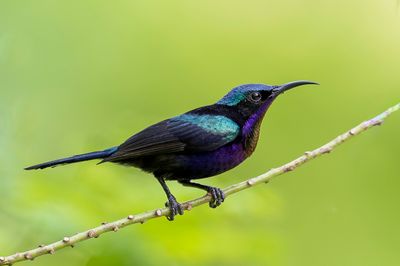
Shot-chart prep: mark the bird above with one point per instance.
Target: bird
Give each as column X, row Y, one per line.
column 201, row 143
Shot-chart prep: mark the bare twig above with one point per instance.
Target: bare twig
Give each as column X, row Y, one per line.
column 142, row 217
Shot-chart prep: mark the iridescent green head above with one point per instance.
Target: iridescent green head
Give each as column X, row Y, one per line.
column 256, row 94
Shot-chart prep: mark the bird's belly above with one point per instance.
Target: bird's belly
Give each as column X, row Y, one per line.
column 206, row 164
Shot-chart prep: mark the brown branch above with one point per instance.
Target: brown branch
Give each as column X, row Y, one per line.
column 142, row 217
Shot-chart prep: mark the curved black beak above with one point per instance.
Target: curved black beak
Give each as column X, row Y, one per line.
column 282, row 88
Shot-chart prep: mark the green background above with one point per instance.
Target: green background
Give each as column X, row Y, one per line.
column 77, row 76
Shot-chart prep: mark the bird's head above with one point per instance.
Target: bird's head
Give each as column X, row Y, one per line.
column 256, row 98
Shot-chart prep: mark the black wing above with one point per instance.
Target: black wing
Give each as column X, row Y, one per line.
column 182, row 133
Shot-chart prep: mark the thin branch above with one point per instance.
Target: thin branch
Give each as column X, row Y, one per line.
column 142, row 217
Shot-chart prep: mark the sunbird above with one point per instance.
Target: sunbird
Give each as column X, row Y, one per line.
column 201, row 143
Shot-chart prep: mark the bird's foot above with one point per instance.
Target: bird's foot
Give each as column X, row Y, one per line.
column 175, row 208
column 217, row 197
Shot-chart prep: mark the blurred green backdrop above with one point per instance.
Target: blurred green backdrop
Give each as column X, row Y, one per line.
column 77, row 76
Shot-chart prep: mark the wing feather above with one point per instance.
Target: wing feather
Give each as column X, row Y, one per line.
column 185, row 133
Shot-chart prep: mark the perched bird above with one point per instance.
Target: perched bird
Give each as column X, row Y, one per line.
column 200, row 143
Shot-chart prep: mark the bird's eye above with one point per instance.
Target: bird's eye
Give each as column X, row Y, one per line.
column 255, row 96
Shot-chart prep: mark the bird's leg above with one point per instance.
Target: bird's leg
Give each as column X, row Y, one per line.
column 173, row 205
column 217, row 195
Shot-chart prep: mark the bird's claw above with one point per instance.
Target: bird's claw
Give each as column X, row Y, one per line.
column 175, row 208
column 217, row 197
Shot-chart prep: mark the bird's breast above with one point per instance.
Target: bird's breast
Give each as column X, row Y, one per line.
column 250, row 135
column 250, row 141
column 206, row 164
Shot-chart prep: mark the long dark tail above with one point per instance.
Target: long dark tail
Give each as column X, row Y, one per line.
column 75, row 159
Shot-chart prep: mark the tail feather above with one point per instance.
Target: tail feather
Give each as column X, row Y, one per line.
column 75, row 159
